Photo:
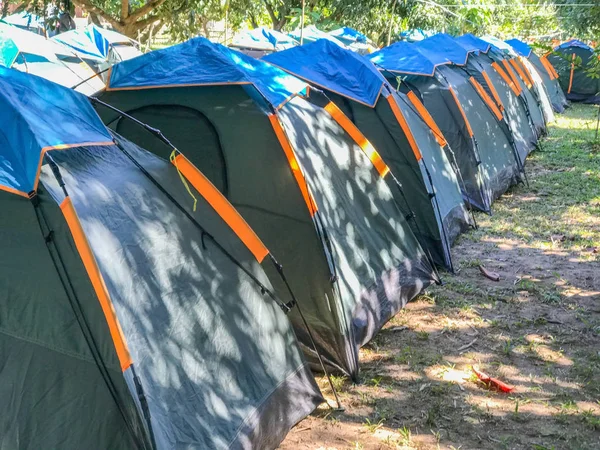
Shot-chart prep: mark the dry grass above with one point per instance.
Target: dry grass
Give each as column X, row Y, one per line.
column 538, row 329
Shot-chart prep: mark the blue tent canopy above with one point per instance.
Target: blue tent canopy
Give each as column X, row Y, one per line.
column 264, row 38
column 442, row 48
column 473, row 43
column 331, row 67
column 42, row 116
column 403, row 57
column 312, row 34
column 574, row 43
column 15, row 41
column 199, row 62
column 92, row 40
column 349, row 35
column 521, row 47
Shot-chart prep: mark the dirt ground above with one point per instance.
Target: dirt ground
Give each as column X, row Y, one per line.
column 537, row 329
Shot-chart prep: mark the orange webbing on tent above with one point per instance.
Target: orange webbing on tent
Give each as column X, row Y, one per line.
column 439, row 136
column 91, row 267
column 549, row 68
column 517, row 68
column 512, row 74
column 486, row 98
column 405, row 128
column 462, row 111
column 358, row 137
column 571, row 76
column 513, row 87
column 291, row 157
column 526, row 70
column 493, row 90
column 222, row 206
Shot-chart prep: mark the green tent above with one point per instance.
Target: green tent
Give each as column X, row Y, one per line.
column 425, row 179
column 546, row 72
column 313, row 195
column 570, row 60
column 484, row 150
column 128, row 318
column 532, row 86
column 510, row 104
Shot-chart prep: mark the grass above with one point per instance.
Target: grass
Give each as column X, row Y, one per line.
column 537, row 329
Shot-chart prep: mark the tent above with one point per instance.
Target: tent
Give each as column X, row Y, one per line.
column 316, row 199
column 27, row 21
column 429, row 186
column 469, row 61
column 570, row 59
column 483, row 150
column 524, row 73
column 312, row 34
column 34, row 54
column 130, row 320
column 524, row 120
column 98, row 46
column 355, row 40
column 546, row 72
column 261, row 41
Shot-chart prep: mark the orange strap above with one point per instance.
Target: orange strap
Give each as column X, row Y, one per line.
column 91, row 267
column 517, row 68
column 222, row 206
column 420, row 107
column 486, row 98
column 358, row 137
column 513, row 87
column 549, row 68
column 405, row 128
column 291, row 157
column 571, row 76
column 462, row 111
column 493, row 90
column 512, row 75
column 526, row 70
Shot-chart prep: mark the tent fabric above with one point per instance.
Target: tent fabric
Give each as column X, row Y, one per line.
column 574, row 43
column 439, row 221
column 311, row 34
column 348, row 35
column 263, row 39
column 329, row 66
column 319, row 221
column 211, row 360
column 93, row 41
column 34, row 54
column 471, row 43
column 441, row 49
column 217, row 359
column 573, row 78
column 178, row 66
column 521, row 47
column 416, row 34
column 68, row 119
column 405, row 58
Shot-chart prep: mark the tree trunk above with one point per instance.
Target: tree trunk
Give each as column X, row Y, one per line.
column 389, row 36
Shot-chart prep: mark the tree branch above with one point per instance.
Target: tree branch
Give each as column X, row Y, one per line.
column 271, row 12
column 141, row 12
column 89, row 7
column 124, row 10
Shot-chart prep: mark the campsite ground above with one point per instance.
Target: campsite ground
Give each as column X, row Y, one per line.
column 537, row 329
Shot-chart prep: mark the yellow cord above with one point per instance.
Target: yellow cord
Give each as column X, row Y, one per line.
column 173, row 159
